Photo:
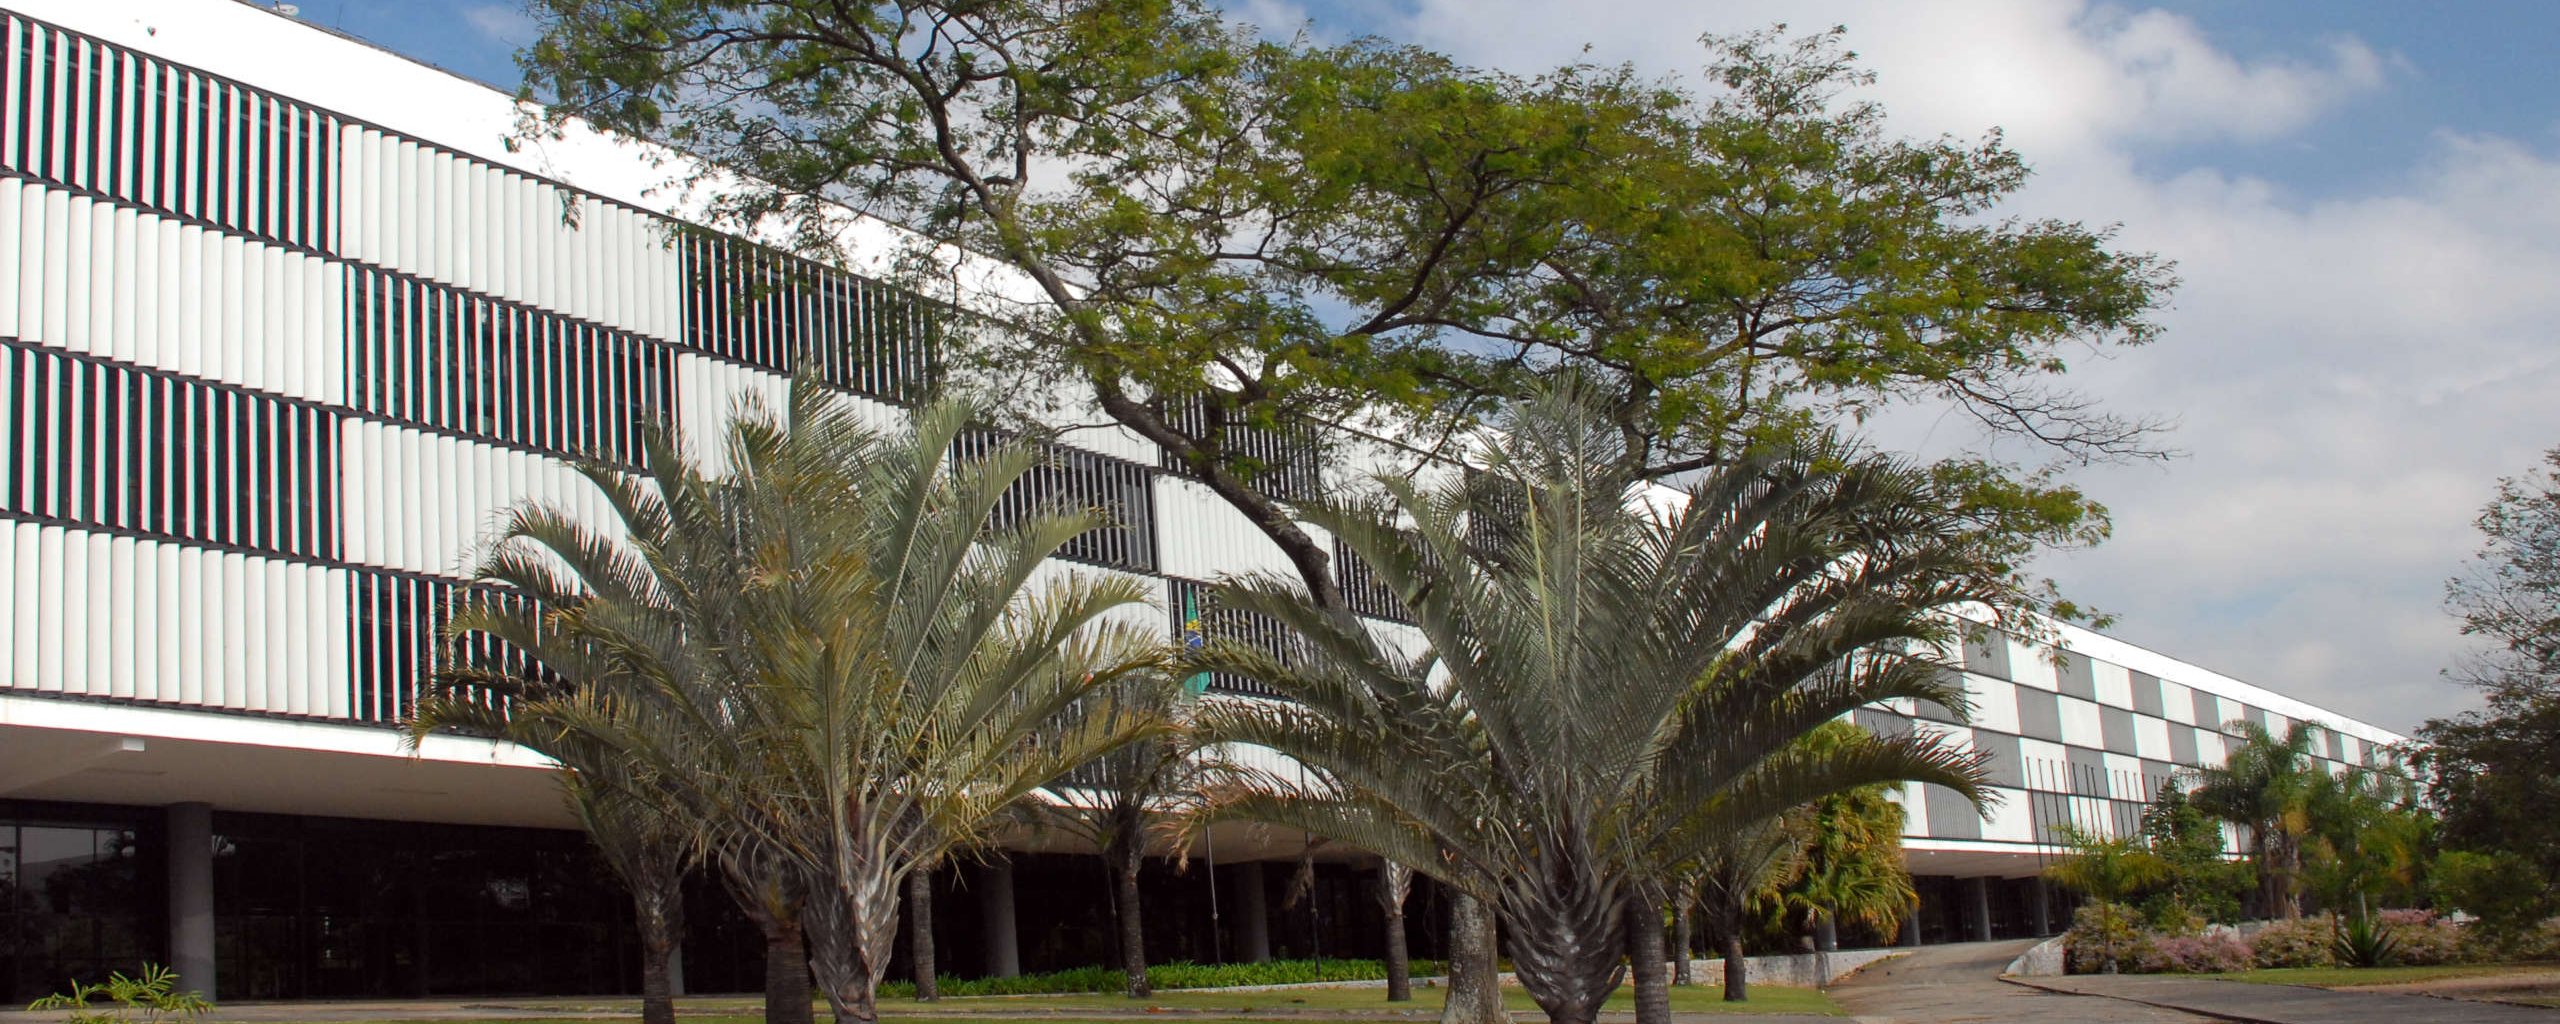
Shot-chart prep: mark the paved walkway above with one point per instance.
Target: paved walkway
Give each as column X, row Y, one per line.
column 1960, row 983
column 2289, row 1004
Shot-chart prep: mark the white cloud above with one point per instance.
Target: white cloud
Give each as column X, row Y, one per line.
column 2350, row 375
column 509, row 25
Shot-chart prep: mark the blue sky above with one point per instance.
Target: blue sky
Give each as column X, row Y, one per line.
column 2364, row 202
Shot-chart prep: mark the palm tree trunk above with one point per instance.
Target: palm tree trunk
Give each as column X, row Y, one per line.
column 1127, row 857
column 1737, row 971
column 920, row 933
column 659, row 909
column 1826, row 937
column 1683, row 935
column 1395, row 882
column 1475, row 983
column 786, row 975
column 852, row 925
column 1644, row 961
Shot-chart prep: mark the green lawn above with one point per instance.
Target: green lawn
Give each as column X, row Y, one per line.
column 2350, row 977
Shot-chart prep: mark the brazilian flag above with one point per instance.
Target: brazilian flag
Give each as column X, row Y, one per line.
column 1193, row 639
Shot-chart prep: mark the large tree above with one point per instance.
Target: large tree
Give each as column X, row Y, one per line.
column 2509, row 594
column 1225, row 240
column 841, row 651
column 1604, row 679
column 2489, row 772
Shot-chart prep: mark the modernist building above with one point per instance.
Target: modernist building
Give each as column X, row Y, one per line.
column 283, row 323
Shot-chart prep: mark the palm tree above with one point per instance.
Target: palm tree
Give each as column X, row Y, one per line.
column 1853, row 858
column 2108, row 870
column 1734, row 869
column 1110, row 801
column 2366, row 835
column 846, row 652
column 1607, row 683
column 641, row 838
column 2265, row 786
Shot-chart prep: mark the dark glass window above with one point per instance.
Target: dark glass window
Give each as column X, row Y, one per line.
column 100, row 118
column 438, row 357
column 145, row 452
column 777, row 311
column 1069, row 479
column 1362, row 590
column 71, row 906
column 398, row 641
column 1282, row 461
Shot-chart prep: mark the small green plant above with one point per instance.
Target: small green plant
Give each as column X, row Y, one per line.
column 150, row 999
column 2362, row 942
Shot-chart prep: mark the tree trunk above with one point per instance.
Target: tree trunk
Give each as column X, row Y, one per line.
column 1737, row 971
column 1475, row 981
column 852, row 936
column 660, row 916
column 1683, row 935
column 1127, row 857
column 1395, row 882
column 786, row 975
column 920, row 933
column 1644, row 961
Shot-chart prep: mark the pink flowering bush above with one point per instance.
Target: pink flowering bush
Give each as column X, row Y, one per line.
column 2190, row 954
column 2424, row 937
column 2302, row 943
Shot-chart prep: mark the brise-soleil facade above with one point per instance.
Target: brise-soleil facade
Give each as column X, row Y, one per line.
column 282, row 326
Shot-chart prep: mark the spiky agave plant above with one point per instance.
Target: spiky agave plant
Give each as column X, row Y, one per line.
column 1604, row 684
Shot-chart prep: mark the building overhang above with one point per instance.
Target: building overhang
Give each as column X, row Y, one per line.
column 93, row 752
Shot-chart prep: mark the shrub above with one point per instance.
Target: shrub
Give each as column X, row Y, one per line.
column 2098, row 930
column 2302, row 943
column 1177, row 975
column 2191, row 954
column 150, row 999
column 2426, row 938
column 2167, row 917
column 2483, row 943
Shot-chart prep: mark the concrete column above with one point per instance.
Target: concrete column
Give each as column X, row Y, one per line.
column 1977, row 898
column 1253, row 924
column 675, row 968
column 995, row 909
column 190, row 831
column 1911, row 927
column 2040, row 904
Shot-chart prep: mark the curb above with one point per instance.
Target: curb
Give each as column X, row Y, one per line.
column 2216, row 1015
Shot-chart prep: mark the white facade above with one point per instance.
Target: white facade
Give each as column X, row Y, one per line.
column 279, row 337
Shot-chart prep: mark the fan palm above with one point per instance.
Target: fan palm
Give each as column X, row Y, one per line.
column 1608, row 683
column 2265, row 785
column 844, row 652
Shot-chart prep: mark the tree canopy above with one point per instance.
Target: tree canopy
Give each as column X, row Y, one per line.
column 1228, row 238
column 2490, row 773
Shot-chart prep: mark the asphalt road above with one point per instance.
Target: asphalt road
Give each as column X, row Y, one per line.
column 1960, row 983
